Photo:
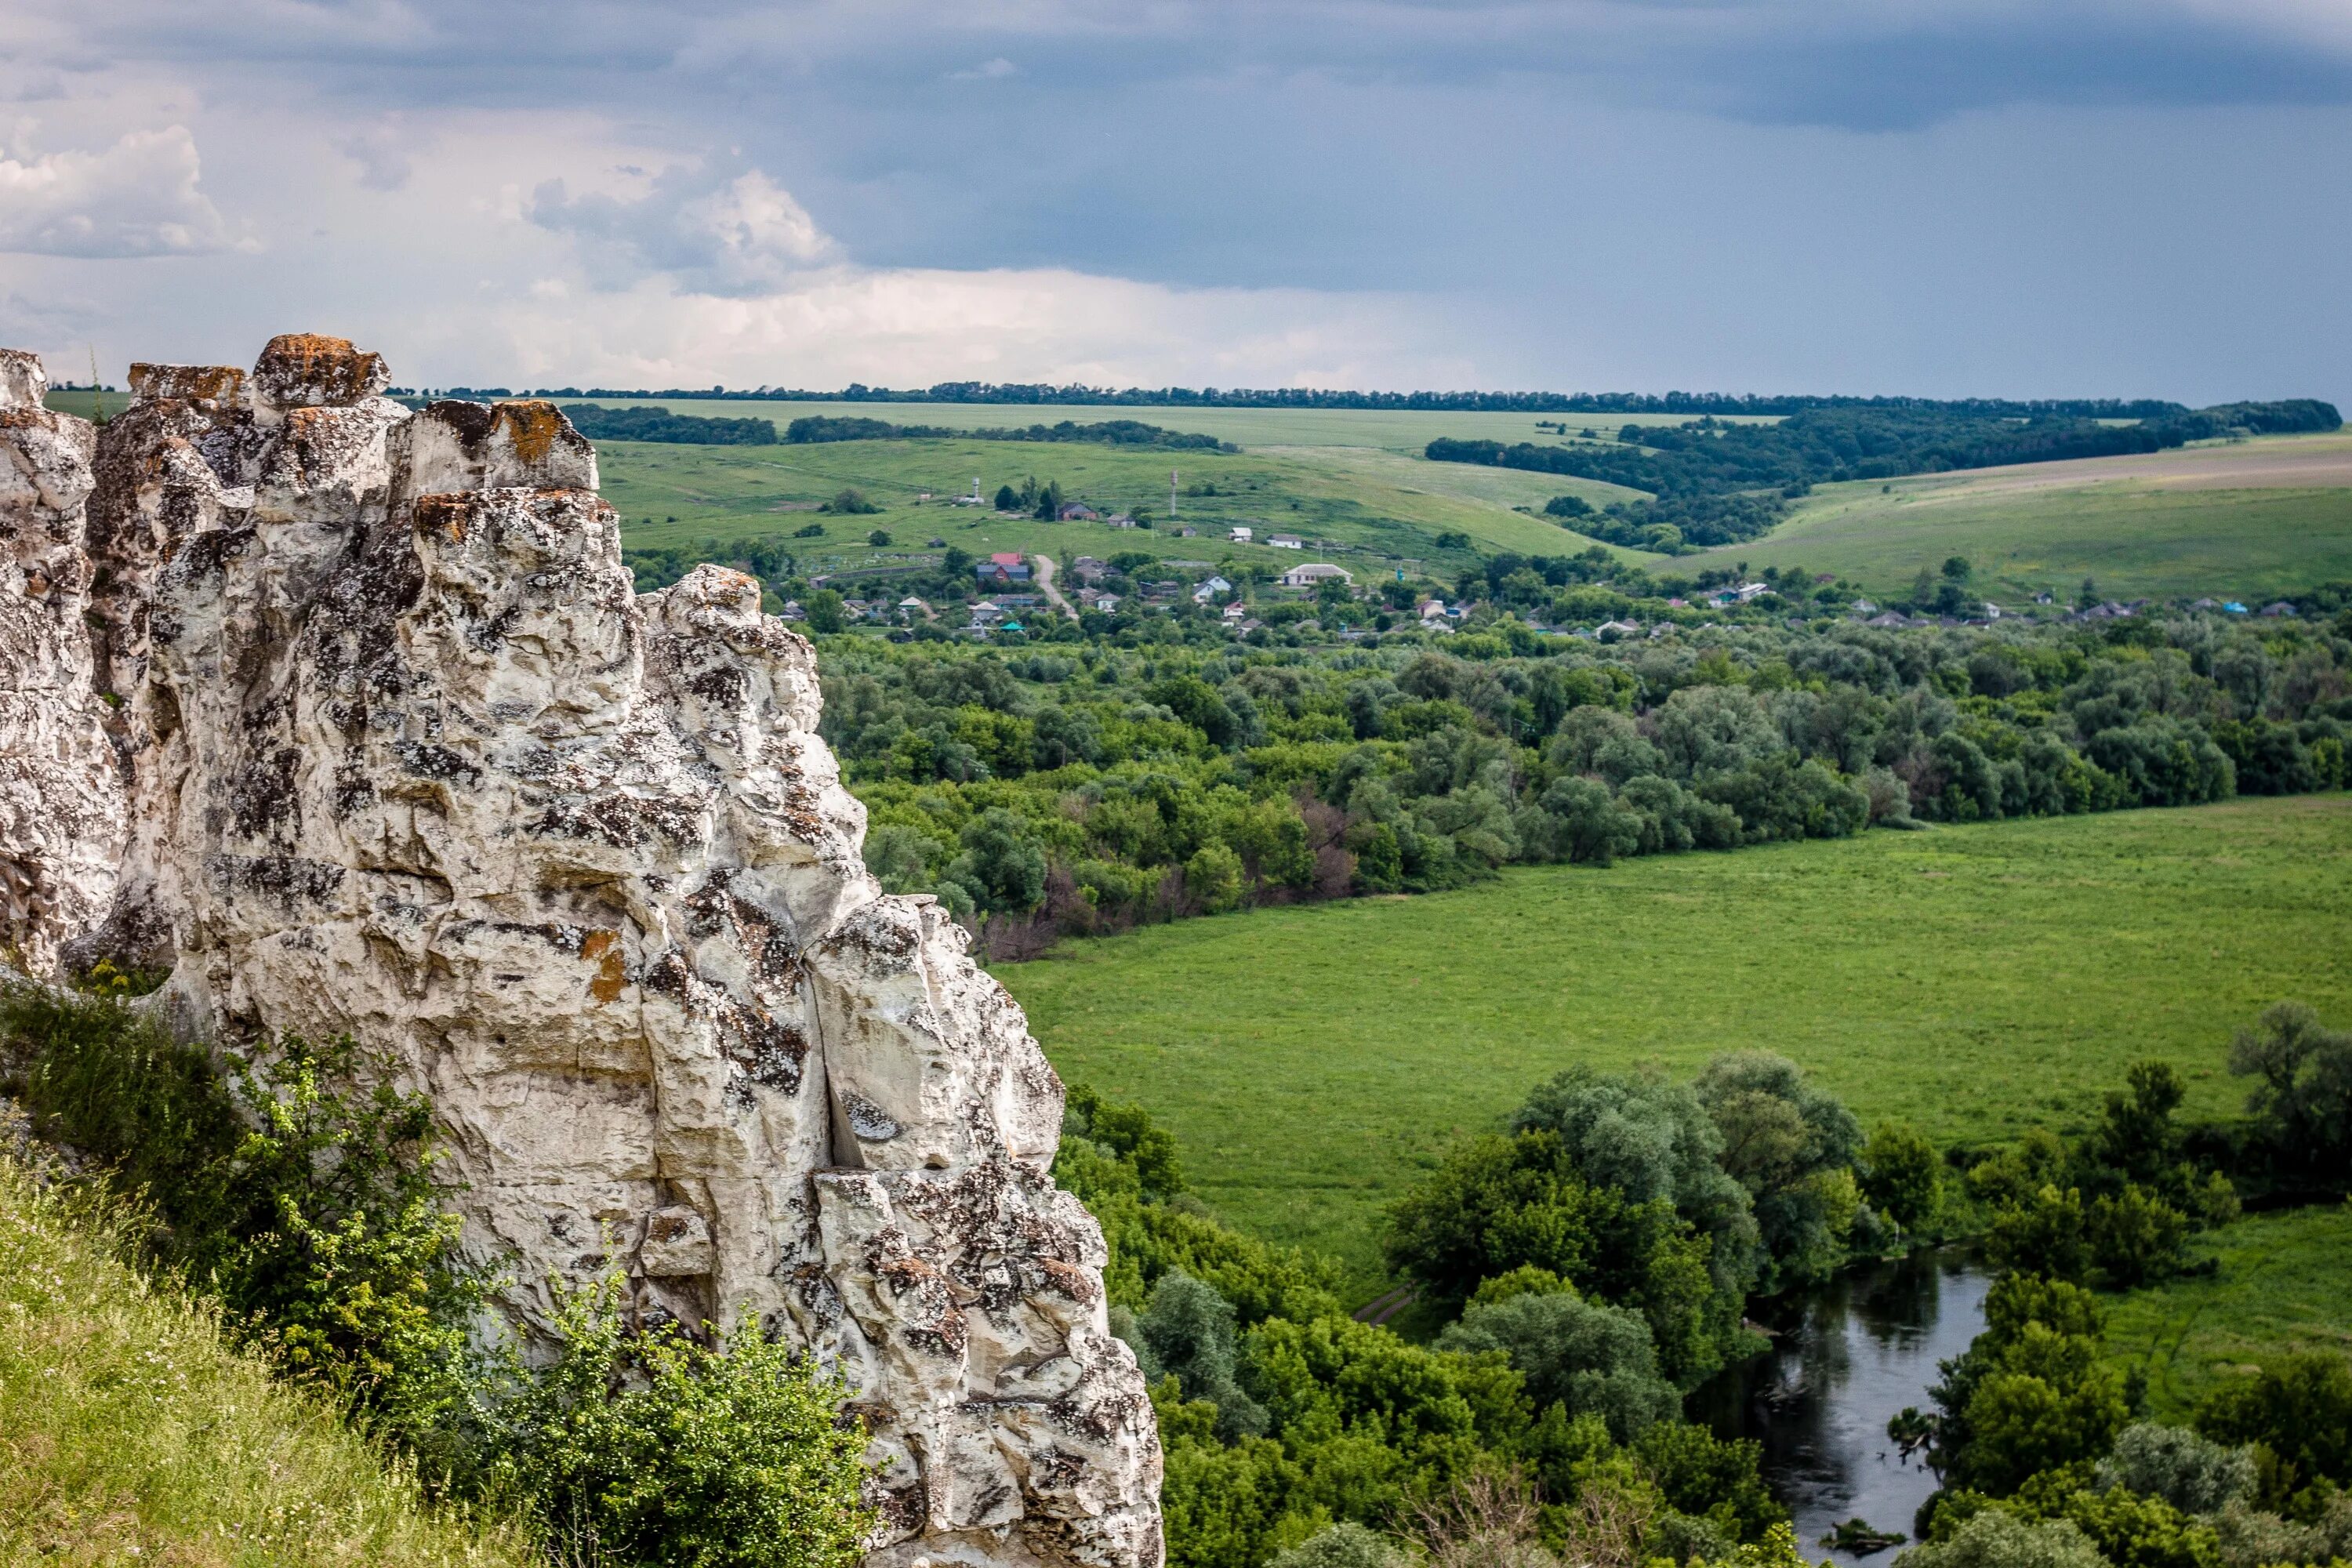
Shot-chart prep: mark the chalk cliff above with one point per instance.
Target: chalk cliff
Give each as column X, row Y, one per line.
column 61, row 807
column 406, row 757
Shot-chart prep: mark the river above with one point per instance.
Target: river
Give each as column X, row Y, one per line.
column 1849, row 1356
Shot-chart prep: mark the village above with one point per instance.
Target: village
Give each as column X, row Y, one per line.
column 1018, row 596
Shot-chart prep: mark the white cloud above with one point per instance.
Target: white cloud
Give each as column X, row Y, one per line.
column 905, row 327
column 138, row 198
column 988, row 70
column 712, row 235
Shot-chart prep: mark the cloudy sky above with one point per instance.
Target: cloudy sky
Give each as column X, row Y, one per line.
column 2014, row 198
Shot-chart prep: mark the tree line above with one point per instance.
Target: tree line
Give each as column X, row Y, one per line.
column 639, row 424
column 817, row 427
column 1087, row 786
column 1497, row 402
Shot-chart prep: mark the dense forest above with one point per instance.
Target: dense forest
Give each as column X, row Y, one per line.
column 1718, row 483
column 1085, row 786
column 1584, row 1266
column 817, row 427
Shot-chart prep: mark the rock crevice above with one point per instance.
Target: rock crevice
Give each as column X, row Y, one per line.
column 395, row 750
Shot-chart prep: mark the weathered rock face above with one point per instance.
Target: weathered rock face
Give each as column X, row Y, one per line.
column 408, row 759
column 61, row 807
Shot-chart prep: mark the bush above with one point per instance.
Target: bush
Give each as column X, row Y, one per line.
column 1592, row 1359
column 732, row 1456
column 2300, row 1411
column 2302, row 1105
column 2192, row 1473
column 1903, row 1177
column 1997, row 1539
column 1343, row 1546
column 1212, row 878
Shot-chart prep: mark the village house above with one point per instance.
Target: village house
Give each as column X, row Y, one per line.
column 1204, row 591
column 1107, row 604
column 1002, row 568
column 910, row 609
column 1243, row 536
column 1315, row 575
column 1286, row 541
column 1078, row 511
column 1237, row 611
column 1086, row 569
column 1121, row 520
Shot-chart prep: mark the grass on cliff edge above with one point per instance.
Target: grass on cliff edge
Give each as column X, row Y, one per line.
column 2281, row 1283
column 1977, row 981
column 130, row 1432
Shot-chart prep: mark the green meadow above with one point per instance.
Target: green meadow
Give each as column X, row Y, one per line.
column 2248, row 521
column 1361, row 511
column 1976, row 981
column 2281, row 1283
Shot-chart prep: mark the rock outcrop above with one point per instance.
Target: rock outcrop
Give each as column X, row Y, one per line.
column 408, row 759
column 61, row 807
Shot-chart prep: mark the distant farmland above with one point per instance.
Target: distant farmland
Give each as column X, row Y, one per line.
column 2247, row 521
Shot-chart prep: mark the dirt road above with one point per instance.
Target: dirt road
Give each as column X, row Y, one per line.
column 1046, row 585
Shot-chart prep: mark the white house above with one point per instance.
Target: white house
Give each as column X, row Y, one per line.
column 1309, row 576
column 1243, row 536
column 1210, row 589
column 1237, row 611
column 1285, row 542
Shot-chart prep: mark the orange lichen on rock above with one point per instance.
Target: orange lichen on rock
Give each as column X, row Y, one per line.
column 532, row 427
column 300, row 369
column 603, row 948
column 444, row 514
column 194, row 382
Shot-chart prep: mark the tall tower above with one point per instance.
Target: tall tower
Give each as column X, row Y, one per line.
column 1172, row 492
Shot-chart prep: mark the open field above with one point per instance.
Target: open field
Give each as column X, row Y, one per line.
column 2284, row 1285
column 2248, row 521
column 675, row 494
column 1314, row 1059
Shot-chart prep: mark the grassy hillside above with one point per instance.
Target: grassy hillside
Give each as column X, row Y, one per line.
column 129, row 1432
column 1368, row 515
column 2248, row 521
column 2283, row 1283
column 1974, row 980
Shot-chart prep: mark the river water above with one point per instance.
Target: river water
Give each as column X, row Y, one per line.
column 1850, row 1355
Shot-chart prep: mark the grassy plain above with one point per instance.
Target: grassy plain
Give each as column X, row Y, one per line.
column 1315, row 1059
column 2248, row 521
column 2283, row 1284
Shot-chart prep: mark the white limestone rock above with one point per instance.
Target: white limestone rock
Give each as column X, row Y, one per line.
column 410, row 759
column 61, row 803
